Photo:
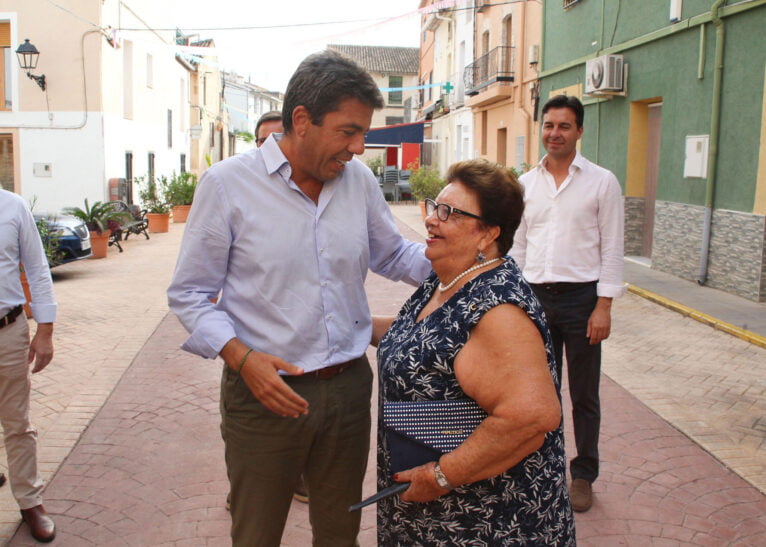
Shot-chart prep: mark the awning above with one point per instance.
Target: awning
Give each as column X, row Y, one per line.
column 394, row 135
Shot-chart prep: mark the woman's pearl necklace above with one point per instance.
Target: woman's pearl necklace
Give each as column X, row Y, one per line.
column 448, row 286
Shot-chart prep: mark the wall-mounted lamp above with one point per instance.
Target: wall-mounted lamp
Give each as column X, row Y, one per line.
column 28, row 54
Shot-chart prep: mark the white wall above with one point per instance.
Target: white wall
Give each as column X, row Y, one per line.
column 75, row 158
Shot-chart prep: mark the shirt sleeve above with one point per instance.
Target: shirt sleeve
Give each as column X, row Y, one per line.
column 32, row 255
column 391, row 255
column 611, row 229
column 201, row 270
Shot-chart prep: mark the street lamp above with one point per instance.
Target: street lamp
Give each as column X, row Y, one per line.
column 28, row 54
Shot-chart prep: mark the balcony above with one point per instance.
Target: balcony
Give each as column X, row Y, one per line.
column 495, row 66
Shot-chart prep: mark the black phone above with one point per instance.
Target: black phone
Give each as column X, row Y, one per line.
column 386, row 492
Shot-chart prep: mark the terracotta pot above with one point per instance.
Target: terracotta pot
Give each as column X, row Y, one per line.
column 27, row 294
column 99, row 244
column 422, row 209
column 180, row 213
column 159, row 223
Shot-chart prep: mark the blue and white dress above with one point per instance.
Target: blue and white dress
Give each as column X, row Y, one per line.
column 526, row 505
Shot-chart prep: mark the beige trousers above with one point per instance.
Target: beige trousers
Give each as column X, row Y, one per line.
column 19, row 434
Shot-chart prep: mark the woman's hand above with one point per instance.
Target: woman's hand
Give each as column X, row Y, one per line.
column 423, row 485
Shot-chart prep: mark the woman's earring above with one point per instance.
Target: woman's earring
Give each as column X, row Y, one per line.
column 480, row 257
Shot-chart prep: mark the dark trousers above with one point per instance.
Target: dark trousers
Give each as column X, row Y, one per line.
column 567, row 308
column 266, row 453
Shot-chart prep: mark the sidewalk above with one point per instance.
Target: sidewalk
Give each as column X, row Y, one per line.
column 683, row 406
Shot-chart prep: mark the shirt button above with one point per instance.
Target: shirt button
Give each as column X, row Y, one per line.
column 329, row 317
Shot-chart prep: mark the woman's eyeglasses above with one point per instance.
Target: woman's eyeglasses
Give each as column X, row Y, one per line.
column 443, row 211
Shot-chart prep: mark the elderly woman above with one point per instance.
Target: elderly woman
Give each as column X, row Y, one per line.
column 474, row 330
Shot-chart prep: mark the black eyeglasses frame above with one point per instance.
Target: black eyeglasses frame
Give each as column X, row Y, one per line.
column 433, row 206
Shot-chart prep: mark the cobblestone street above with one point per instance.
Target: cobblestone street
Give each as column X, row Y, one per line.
column 132, row 454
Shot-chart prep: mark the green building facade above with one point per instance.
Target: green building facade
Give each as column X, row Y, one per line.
column 685, row 134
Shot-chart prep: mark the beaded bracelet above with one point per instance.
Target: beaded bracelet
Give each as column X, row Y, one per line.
column 242, row 362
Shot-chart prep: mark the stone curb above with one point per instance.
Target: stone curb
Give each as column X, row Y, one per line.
column 709, row 320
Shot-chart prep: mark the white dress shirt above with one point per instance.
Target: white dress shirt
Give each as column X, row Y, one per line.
column 20, row 242
column 572, row 233
column 291, row 271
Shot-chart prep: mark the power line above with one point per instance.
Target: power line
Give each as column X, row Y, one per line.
column 259, row 27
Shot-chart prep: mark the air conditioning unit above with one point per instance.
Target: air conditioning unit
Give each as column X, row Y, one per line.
column 604, row 73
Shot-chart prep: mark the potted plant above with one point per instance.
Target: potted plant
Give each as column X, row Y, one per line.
column 179, row 193
column 152, row 196
column 97, row 218
column 425, row 183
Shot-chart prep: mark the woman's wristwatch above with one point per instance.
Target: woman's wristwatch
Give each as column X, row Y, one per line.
column 441, row 478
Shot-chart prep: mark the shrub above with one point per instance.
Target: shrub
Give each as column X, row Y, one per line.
column 425, row 181
column 180, row 189
column 152, row 194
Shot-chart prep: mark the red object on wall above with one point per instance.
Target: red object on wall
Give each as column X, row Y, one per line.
column 410, row 154
column 392, row 156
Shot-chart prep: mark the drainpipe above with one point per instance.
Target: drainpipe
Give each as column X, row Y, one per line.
column 714, row 134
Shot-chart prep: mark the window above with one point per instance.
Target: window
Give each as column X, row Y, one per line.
column 129, row 175
column 183, row 163
column 170, row 128
column 149, row 70
column 212, row 135
column 6, row 162
column 150, row 166
column 6, row 65
column 394, row 120
column 395, row 97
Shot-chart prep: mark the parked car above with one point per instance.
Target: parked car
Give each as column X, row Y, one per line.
column 69, row 236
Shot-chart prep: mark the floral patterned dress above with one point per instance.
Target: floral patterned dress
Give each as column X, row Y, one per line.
column 526, row 505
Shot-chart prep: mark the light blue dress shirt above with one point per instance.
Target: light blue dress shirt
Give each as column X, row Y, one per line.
column 291, row 272
column 20, row 242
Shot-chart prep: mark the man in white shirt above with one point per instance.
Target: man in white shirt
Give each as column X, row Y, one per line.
column 20, row 243
column 569, row 247
column 287, row 233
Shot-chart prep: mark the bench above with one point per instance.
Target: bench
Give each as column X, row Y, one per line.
column 133, row 222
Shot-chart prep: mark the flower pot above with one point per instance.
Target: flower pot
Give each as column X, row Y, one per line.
column 159, row 223
column 99, row 243
column 27, row 294
column 422, row 204
column 180, row 213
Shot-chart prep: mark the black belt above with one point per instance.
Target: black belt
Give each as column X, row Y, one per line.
column 561, row 287
column 324, row 373
column 11, row 316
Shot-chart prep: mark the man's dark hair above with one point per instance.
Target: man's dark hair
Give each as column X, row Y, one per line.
column 322, row 81
column 567, row 101
column 273, row 116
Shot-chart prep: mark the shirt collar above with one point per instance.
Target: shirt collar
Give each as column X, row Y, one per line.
column 273, row 157
column 578, row 162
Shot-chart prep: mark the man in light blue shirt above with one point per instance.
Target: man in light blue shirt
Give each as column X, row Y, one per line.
column 286, row 233
column 20, row 244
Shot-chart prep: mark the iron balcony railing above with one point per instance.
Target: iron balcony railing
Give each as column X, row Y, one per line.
column 495, row 66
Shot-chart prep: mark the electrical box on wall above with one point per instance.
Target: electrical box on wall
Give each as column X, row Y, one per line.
column 676, row 6
column 695, row 163
column 534, row 54
column 42, row 169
